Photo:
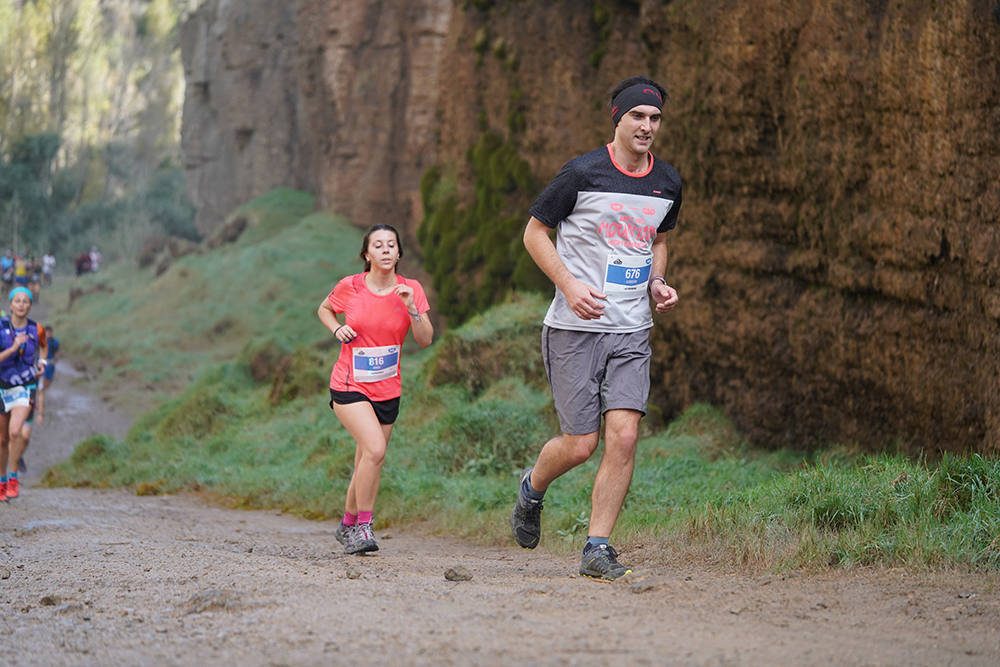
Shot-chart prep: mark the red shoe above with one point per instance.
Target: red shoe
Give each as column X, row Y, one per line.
column 12, row 488
column 3, row 492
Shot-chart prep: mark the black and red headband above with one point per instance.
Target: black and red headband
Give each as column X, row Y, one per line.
column 633, row 96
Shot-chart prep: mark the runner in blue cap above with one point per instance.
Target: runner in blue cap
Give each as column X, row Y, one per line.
column 23, row 349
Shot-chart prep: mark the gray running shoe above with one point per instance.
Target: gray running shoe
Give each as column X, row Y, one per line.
column 341, row 533
column 601, row 562
column 360, row 539
column 526, row 519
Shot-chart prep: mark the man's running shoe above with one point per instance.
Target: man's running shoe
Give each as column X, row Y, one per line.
column 360, row 539
column 526, row 519
column 601, row 562
column 13, row 490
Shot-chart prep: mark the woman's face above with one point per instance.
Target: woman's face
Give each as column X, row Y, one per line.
column 383, row 250
column 20, row 304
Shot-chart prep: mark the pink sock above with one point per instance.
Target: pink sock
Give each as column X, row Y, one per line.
column 364, row 517
column 349, row 519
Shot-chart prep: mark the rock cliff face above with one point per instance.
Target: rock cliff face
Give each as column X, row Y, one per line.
column 836, row 250
column 245, row 120
column 338, row 98
column 839, row 257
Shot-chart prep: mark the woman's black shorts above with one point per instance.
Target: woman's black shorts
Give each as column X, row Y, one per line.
column 385, row 411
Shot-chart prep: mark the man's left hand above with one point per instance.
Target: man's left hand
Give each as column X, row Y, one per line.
column 664, row 295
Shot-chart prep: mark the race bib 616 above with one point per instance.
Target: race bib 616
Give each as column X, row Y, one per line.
column 372, row 364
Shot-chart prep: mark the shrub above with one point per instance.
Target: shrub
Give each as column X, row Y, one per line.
column 488, row 437
column 483, row 239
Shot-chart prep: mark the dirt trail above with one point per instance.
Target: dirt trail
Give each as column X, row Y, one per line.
column 105, row 577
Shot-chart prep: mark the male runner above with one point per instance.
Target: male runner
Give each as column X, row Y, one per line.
column 611, row 209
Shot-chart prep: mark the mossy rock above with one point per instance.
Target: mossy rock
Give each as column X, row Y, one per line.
column 504, row 342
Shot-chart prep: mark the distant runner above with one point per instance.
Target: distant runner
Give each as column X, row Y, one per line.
column 7, row 269
column 379, row 307
column 37, row 414
column 53, row 356
column 48, row 266
column 95, row 258
column 20, row 270
column 23, row 350
column 82, row 263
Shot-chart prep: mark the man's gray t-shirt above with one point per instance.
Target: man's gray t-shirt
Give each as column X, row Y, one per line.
column 605, row 220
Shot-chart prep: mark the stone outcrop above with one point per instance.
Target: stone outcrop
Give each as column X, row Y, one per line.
column 839, row 256
column 337, row 98
column 244, row 125
column 836, row 249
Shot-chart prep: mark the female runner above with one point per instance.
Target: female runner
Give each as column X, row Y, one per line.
column 22, row 351
column 379, row 307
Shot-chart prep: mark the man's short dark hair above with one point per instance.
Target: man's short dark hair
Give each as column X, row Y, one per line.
column 633, row 80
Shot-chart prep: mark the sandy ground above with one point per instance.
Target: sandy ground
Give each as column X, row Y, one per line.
column 108, row 578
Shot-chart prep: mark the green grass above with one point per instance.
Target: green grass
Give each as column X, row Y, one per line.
column 879, row 510
column 160, row 332
column 251, row 427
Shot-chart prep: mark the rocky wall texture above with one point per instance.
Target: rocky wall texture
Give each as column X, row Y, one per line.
column 244, row 127
column 338, row 98
column 836, row 250
column 839, row 255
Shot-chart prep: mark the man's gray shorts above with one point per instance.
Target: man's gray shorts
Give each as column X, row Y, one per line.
column 591, row 373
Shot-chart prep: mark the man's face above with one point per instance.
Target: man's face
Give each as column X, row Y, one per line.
column 637, row 128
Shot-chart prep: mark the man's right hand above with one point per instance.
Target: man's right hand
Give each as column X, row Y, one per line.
column 583, row 300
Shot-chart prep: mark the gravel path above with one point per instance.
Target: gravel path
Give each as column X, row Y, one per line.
column 91, row 577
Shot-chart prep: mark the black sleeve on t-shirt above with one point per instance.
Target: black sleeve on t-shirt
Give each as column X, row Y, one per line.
column 595, row 172
column 670, row 219
column 558, row 199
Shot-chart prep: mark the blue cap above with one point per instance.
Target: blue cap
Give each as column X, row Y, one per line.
column 16, row 290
